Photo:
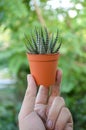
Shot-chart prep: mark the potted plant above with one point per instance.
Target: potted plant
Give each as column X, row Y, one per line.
column 43, row 54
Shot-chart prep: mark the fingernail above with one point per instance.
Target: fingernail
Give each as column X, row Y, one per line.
column 49, row 124
column 28, row 77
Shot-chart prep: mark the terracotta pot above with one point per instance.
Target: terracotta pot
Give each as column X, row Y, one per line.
column 43, row 68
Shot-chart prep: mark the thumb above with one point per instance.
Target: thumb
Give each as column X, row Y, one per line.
column 29, row 99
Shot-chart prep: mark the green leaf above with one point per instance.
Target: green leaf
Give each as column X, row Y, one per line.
column 54, row 43
column 57, row 49
column 47, row 38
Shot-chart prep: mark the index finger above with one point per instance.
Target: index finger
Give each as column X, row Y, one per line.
column 42, row 95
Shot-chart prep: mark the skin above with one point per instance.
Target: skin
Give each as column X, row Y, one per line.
column 46, row 109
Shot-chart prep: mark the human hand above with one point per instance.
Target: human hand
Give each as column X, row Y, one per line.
column 28, row 118
column 59, row 118
column 52, row 108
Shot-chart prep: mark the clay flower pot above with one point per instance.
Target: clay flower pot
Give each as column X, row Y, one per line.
column 43, row 67
column 43, row 54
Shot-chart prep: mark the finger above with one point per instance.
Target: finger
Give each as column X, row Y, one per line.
column 69, row 126
column 54, row 111
column 56, row 86
column 63, row 119
column 40, row 109
column 41, row 102
column 55, row 89
column 29, row 99
column 42, row 95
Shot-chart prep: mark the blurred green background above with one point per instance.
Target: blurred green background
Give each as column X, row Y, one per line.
column 21, row 16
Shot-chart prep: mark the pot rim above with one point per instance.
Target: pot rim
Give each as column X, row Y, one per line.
column 43, row 57
column 49, row 54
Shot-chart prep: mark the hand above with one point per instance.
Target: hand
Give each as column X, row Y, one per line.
column 52, row 108
column 28, row 118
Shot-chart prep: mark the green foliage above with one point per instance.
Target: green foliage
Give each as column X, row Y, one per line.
column 18, row 17
column 8, row 111
column 40, row 43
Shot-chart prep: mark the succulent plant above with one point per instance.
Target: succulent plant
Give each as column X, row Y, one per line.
column 41, row 43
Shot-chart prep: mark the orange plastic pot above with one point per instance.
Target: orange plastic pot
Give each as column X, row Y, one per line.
column 43, row 68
